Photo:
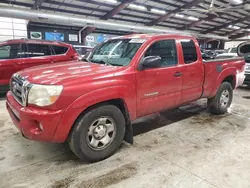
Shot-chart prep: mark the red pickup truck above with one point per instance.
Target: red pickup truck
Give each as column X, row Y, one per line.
column 19, row 54
column 92, row 103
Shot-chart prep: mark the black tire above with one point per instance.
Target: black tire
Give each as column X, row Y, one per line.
column 214, row 103
column 78, row 142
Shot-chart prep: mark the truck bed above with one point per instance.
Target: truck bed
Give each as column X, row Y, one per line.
column 214, row 70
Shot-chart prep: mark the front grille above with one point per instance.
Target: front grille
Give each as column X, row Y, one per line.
column 19, row 88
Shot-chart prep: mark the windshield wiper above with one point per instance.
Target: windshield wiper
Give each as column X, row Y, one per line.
column 103, row 62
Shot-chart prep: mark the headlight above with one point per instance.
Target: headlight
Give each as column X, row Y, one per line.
column 44, row 95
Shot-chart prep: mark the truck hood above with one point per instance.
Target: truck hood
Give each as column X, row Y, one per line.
column 58, row 73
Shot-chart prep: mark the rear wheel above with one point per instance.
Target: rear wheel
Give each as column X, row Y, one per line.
column 98, row 134
column 222, row 100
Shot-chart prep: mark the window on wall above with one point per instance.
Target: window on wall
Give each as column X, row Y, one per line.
column 35, row 50
column 166, row 49
column 60, row 49
column 10, row 51
column 189, row 51
column 11, row 28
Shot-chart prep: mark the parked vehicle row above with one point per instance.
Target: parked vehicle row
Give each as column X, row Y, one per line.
column 16, row 55
column 92, row 103
column 219, row 54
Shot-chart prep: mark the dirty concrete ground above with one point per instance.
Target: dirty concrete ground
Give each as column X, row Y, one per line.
column 181, row 148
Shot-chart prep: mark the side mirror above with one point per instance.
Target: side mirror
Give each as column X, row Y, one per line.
column 150, row 62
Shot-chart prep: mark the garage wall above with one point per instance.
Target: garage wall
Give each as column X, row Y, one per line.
column 43, row 28
column 11, row 28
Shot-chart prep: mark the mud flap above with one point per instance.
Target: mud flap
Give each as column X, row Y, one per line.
column 128, row 137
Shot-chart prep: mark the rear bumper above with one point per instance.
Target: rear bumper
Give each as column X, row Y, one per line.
column 33, row 123
column 247, row 79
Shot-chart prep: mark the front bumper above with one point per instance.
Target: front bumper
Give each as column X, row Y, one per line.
column 33, row 123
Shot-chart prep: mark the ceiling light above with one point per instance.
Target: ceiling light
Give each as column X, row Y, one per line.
column 179, row 15
column 236, row 27
column 137, row 7
column 236, row 1
column 158, row 11
column 111, row 1
column 193, row 18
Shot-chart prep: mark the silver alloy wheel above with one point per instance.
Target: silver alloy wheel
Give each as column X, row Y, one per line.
column 101, row 133
column 224, row 98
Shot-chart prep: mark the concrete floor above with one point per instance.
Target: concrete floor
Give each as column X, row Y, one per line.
column 182, row 148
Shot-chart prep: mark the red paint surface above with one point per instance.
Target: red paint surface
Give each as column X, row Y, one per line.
column 86, row 84
column 11, row 66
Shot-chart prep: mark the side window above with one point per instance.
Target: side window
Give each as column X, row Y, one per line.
column 23, row 51
column 189, row 51
column 60, row 49
column 35, row 50
column 10, row 51
column 166, row 49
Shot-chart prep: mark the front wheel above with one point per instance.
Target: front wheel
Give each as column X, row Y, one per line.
column 222, row 100
column 98, row 133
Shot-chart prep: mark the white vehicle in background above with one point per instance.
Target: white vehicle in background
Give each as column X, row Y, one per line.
column 244, row 51
column 230, row 52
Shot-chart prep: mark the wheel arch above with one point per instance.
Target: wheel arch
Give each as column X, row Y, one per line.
column 228, row 75
column 119, row 103
column 231, row 79
column 120, row 96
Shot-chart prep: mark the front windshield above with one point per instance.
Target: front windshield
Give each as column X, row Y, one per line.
column 117, row 52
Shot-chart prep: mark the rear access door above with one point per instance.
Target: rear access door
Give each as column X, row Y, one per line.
column 193, row 71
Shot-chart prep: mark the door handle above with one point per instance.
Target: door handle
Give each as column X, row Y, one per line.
column 177, row 74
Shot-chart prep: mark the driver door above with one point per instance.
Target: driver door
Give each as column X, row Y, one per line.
column 160, row 88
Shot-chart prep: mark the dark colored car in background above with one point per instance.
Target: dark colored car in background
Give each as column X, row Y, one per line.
column 16, row 55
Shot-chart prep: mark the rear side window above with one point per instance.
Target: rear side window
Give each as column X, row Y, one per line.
column 189, row 51
column 60, row 49
column 35, row 50
column 10, row 51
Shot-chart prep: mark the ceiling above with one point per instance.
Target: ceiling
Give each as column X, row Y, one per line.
column 164, row 13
